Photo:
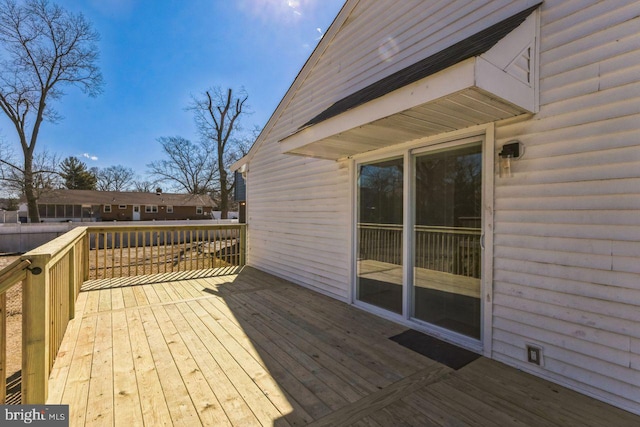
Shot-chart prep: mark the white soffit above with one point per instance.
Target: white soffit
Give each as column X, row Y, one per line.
column 498, row 84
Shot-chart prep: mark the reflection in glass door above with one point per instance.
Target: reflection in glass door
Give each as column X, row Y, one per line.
column 379, row 259
column 446, row 241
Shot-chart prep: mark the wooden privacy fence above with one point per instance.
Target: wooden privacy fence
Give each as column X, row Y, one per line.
column 454, row 250
column 54, row 272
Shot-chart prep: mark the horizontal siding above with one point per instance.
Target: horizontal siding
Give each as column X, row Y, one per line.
column 567, row 223
column 414, row 29
column 298, row 208
column 298, row 216
column 568, row 365
column 566, row 252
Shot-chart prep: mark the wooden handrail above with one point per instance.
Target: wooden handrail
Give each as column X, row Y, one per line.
column 48, row 303
column 13, row 273
column 432, row 228
column 58, row 268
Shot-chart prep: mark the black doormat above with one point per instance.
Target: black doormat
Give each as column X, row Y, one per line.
column 448, row 354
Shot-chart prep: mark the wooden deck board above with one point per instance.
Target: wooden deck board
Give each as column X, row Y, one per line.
column 104, row 300
column 566, row 408
column 60, row 372
column 176, row 394
column 100, row 402
column 252, row 349
column 385, row 396
column 264, row 399
column 343, row 316
column 76, row 389
column 199, row 389
column 126, row 394
column 517, row 415
column 235, row 408
column 140, row 295
column 386, row 355
column 151, row 294
column 309, row 391
column 152, row 401
column 358, row 379
column 129, row 297
column 400, row 413
column 161, row 292
column 117, row 299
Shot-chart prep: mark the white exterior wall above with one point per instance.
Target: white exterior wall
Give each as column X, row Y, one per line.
column 567, row 224
column 298, row 216
column 298, row 209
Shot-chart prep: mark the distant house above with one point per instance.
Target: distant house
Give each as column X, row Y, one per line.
column 470, row 169
column 89, row 205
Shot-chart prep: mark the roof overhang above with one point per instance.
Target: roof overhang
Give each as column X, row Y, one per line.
column 497, row 84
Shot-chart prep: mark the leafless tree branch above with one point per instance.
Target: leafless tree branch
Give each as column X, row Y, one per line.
column 44, row 49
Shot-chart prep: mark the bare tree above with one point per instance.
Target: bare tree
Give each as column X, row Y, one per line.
column 44, row 170
column 189, row 167
column 143, row 186
column 217, row 117
column 43, row 48
column 115, row 178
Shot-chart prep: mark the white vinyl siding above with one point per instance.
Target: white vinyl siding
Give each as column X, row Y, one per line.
column 298, row 208
column 567, row 224
column 298, row 218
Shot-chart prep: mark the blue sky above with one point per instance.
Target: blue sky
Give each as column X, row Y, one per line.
column 154, row 54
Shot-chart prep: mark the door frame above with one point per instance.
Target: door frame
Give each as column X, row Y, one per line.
column 135, row 217
column 408, row 150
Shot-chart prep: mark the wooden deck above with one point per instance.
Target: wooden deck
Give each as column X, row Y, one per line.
column 251, row 349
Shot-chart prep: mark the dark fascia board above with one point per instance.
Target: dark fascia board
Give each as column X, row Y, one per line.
column 474, row 45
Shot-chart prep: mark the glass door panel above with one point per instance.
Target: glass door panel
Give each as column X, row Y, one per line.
column 446, row 241
column 379, row 258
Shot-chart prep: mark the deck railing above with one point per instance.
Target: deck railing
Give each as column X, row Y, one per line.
column 12, row 275
column 454, row 250
column 52, row 276
column 132, row 250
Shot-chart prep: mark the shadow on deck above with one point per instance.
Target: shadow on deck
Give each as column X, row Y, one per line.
column 252, row 349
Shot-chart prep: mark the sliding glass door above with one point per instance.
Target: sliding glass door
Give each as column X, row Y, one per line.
column 447, row 232
column 433, row 215
column 380, row 218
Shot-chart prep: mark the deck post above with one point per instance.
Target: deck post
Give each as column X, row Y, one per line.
column 85, row 255
column 72, row 282
column 35, row 332
column 243, row 244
